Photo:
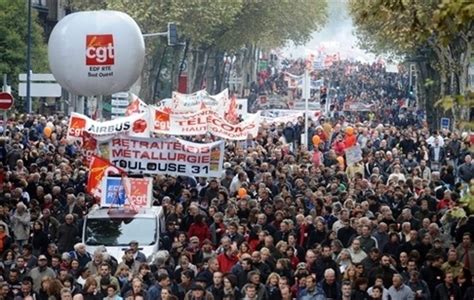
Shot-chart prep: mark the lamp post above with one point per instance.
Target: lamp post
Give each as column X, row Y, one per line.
column 306, row 95
column 28, row 63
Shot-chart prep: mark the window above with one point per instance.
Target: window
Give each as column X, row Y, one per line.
column 120, row 231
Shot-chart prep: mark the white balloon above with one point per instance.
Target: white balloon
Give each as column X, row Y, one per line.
column 96, row 52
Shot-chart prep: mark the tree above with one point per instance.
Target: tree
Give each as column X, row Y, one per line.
column 210, row 30
column 437, row 35
column 13, row 37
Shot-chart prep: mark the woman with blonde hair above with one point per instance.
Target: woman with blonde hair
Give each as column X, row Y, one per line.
column 281, row 248
column 273, row 290
column 244, row 248
column 350, row 275
column 123, row 275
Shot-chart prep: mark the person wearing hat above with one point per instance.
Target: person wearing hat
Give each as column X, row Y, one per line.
column 198, row 291
column 137, row 254
column 129, row 261
column 41, row 271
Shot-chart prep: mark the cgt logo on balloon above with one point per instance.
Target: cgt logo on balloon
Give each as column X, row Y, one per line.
column 100, row 55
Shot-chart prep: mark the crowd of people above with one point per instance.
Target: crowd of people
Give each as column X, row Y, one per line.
column 281, row 223
column 386, row 91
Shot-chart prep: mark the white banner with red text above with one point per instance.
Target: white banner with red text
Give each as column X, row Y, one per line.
column 202, row 122
column 170, row 156
column 185, row 103
column 134, row 125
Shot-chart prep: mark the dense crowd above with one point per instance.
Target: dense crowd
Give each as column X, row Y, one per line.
column 387, row 92
column 281, row 223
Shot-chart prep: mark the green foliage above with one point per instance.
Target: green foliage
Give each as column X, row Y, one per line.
column 438, row 32
column 13, row 37
column 272, row 23
column 225, row 24
column 455, row 105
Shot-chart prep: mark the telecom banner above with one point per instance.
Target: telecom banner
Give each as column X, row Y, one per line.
column 202, row 122
column 168, row 156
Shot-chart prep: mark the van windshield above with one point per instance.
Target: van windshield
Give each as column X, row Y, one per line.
column 120, row 231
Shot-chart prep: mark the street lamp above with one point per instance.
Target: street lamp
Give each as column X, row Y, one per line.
column 28, row 63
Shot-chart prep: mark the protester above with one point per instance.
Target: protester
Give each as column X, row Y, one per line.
column 283, row 221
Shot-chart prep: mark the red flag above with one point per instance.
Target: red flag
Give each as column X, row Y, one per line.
column 231, row 115
column 100, row 167
column 88, row 147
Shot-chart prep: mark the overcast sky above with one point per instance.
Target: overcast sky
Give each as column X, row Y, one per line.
column 336, row 36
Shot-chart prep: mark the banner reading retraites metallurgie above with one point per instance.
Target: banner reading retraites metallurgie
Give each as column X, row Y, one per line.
column 169, row 156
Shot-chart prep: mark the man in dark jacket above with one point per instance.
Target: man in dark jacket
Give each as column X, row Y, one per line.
column 330, row 288
column 466, row 170
column 67, row 235
column 447, row 289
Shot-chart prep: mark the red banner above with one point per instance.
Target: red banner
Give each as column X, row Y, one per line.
column 98, row 168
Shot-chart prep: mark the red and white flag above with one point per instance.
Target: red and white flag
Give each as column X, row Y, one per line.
column 231, row 114
column 137, row 106
column 99, row 168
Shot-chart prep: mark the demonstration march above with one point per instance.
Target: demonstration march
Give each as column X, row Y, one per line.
column 325, row 175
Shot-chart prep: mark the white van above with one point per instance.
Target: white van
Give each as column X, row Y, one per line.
column 115, row 228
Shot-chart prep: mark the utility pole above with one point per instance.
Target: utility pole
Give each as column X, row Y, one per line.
column 28, row 63
column 306, row 95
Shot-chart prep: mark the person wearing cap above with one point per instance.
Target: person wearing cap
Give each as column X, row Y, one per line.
column 418, row 286
column 41, row 271
column 137, row 254
column 127, row 259
column 198, row 291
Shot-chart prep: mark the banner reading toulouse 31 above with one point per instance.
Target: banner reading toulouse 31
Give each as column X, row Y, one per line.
column 167, row 156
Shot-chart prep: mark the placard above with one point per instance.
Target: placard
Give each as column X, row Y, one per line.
column 169, row 156
column 122, row 191
column 353, row 155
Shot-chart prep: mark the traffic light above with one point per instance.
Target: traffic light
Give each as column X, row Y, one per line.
column 172, row 34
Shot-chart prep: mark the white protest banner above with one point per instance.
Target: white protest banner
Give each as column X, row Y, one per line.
column 202, row 122
column 169, row 156
column 293, row 118
column 353, row 155
column 287, row 115
column 185, row 103
column 358, row 106
column 134, row 125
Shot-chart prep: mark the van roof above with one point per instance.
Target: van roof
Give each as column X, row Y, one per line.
column 149, row 212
